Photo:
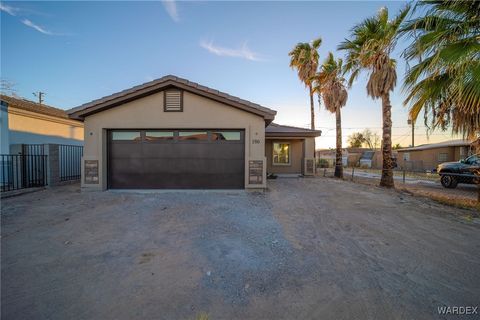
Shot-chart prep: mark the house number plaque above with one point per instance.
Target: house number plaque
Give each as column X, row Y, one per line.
column 91, row 171
column 255, row 172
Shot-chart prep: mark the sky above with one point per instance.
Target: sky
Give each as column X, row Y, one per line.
column 77, row 51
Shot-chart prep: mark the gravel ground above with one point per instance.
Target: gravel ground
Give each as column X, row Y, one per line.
column 431, row 188
column 305, row 249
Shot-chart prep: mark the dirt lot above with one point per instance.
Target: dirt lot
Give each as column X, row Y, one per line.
column 306, row 249
column 419, row 184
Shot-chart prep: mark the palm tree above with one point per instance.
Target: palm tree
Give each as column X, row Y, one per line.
column 445, row 82
column 330, row 85
column 304, row 58
column 369, row 48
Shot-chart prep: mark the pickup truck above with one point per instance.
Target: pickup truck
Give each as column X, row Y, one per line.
column 463, row 171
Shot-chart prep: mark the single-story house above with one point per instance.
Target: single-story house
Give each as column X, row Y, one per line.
column 427, row 157
column 175, row 134
column 26, row 122
column 326, row 157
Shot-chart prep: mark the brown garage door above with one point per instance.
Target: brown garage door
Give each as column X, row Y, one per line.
column 176, row 159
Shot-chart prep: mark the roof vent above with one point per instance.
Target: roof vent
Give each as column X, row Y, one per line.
column 173, row 101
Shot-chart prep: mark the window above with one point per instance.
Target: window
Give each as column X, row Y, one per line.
column 158, row 135
column 442, row 157
column 406, row 156
column 281, row 154
column 126, row 135
column 472, row 160
column 193, row 135
column 226, row 135
column 173, row 101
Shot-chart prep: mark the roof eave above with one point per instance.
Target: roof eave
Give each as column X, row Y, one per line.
column 87, row 109
column 293, row 134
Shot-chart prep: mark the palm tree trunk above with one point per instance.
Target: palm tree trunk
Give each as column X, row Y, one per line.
column 338, row 157
column 387, row 170
column 312, row 109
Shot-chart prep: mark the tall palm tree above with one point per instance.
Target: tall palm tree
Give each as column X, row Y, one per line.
column 369, row 48
column 330, row 85
column 304, row 58
column 445, row 81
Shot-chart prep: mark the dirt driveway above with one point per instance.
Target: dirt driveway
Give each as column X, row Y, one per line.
column 306, row 249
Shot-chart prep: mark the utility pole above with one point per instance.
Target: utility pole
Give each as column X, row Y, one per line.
column 411, row 122
column 40, row 96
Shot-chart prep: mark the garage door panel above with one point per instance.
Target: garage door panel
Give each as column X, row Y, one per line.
column 126, row 150
column 127, row 181
column 158, row 150
column 176, row 164
column 125, row 165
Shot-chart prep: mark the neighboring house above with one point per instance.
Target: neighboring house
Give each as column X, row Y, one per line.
column 27, row 122
column 173, row 133
column 350, row 156
column 427, row 157
column 326, row 157
column 353, row 157
column 40, row 145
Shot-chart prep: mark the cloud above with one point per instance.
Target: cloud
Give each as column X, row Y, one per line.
column 30, row 24
column 171, row 8
column 243, row 52
column 10, row 10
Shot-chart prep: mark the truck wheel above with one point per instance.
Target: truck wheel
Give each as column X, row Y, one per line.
column 449, row 181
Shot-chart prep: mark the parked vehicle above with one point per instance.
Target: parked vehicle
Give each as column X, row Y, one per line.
column 463, row 171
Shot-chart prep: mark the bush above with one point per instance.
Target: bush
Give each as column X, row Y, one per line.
column 322, row 163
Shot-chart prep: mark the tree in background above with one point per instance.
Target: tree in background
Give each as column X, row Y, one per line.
column 365, row 138
column 330, row 85
column 397, row 146
column 445, row 82
column 371, row 139
column 355, row 140
column 304, row 58
column 369, row 48
column 7, row 87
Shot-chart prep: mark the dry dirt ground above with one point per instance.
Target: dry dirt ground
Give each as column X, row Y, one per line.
column 313, row 248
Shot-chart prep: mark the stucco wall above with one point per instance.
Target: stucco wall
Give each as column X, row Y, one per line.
column 32, row 128
column 425, row 159
column 198, row 113
column 296, row 156
column 4, row 133
column 309, row 148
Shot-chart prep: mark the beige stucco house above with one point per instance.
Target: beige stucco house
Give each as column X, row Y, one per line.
column 26, row 122
column 427, row 157
column 175, row 134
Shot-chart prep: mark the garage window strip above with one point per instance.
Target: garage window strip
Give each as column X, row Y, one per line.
column 193, row 136
column 126, row 136
column 159, row 135
column 226, row 136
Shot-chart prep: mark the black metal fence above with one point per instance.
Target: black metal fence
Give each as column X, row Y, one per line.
column 70, row 162
column 22, row 171
column 33, row 149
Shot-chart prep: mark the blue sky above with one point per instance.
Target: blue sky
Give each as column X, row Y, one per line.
column 80, row 51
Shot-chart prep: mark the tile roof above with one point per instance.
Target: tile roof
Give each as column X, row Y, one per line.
column 31, row 106
column 157, row 85
column 275, row 129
